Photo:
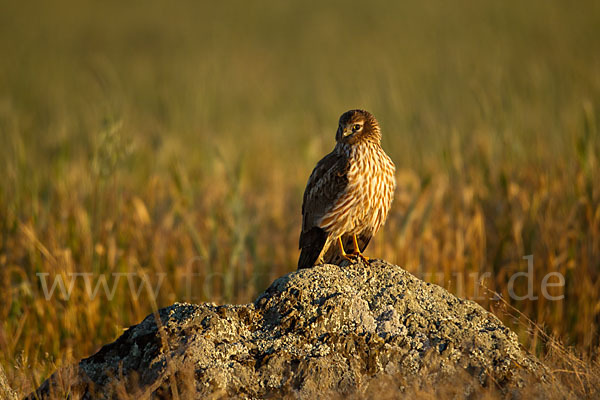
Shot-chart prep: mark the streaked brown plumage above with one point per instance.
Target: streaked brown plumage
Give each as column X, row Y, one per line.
column 348, row 194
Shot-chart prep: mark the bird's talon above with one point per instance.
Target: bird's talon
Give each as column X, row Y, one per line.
column 360, row 256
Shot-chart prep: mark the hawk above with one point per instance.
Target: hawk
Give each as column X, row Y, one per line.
column 348, row 194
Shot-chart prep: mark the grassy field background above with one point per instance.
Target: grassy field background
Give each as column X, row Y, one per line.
column 172, row 143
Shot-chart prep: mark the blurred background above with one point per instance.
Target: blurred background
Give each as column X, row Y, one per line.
column 171, row 143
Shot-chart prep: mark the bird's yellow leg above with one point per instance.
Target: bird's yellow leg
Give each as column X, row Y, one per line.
column 344, row 255
column 357, row 250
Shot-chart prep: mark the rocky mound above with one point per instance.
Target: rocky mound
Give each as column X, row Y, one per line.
column 327, row 329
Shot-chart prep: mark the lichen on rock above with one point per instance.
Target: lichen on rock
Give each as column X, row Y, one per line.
column 327, row 329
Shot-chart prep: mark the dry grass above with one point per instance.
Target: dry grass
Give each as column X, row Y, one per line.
column 162, row 140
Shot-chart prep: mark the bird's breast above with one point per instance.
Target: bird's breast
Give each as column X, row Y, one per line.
column 365, row 202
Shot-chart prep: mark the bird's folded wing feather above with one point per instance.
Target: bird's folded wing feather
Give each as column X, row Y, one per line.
column 327, row 182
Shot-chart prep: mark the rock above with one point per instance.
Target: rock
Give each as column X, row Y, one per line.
column 327, row 329
column 6, row 392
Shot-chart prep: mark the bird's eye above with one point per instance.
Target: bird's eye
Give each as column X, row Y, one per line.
column 356, row 127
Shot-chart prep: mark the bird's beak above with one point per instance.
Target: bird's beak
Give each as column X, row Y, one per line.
column 347, row 131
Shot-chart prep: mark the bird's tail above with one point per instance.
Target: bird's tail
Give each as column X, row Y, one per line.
column 311, row 244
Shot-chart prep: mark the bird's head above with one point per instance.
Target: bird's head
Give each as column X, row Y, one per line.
column 358, row 126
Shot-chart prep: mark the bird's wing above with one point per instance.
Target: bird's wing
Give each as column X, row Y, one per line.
column 326, row 183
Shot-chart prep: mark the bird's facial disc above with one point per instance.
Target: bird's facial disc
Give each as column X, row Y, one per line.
column 352, row 127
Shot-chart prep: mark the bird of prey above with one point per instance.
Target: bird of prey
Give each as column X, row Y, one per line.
column 348, row 194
